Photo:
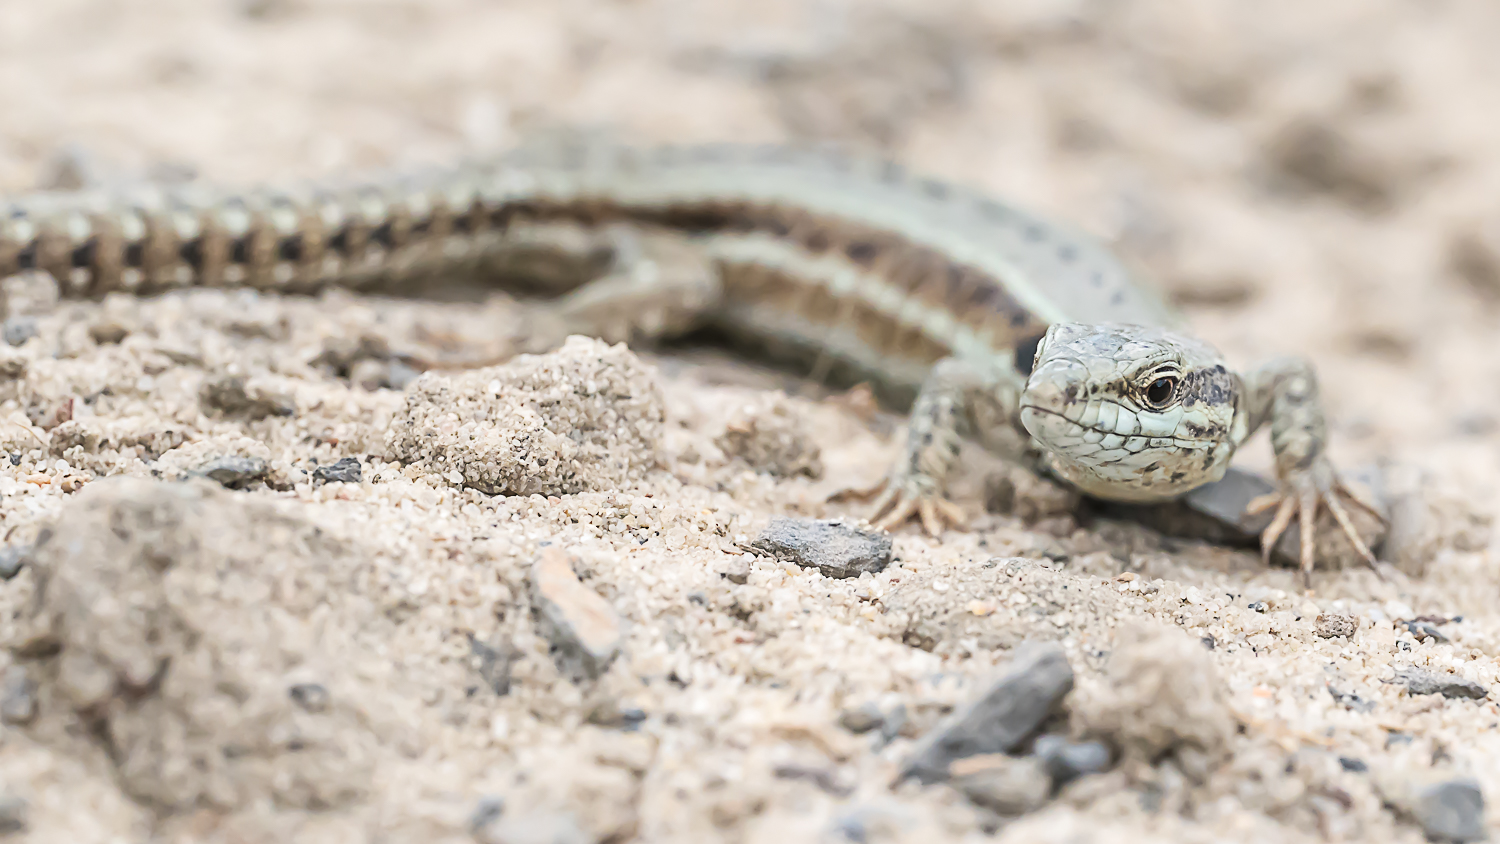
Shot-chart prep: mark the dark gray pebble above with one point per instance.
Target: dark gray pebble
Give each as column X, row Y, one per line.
column 1452, row 811
column 233, row 472
column 999, row 720
column 1420, row 681
column 312, row 697
column 13, row 558
column 345, row 470
column 1067, row 761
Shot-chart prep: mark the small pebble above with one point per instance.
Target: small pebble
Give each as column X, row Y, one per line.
column 583, row 628
column 1066, row 761
column 831, row 547
column 108, row 332
column 17, row 696
column 1333, row 625
column 13, row 812
column 233, row 472
column 1425, row 630
column 1257, row 606
column 1452, row 811
column 862, row 719
column 487, row 812
column 1353, row 765
column 230, row 394
column 1421, row 681
column 1003, row 784
column 999, row 720
column 18, row 330
column 345, row 470
column 493, row 665
column 13, row 558
column 312, row 697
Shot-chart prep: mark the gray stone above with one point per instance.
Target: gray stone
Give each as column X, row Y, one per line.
column 17, row 696
column 492, row 662
column 1005, row 785
column 312, row 697
column 1420, row 681
column 13, row 558
column 345, row 470
column 831, row 547
column 583, row 628
column 233, row 472
column 1001, row 719
column 1066, row 761
column 13, row 812
column 861, row 719
column 231, row 394
column 1451, row 811
column 18, row 330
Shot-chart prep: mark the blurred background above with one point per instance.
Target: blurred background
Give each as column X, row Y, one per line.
column 1311, row 178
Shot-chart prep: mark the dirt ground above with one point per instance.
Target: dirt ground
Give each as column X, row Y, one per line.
column 310, row 656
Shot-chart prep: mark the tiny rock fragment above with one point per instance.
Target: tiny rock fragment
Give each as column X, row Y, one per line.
column 12, row 559
column 1066, row 761
column 1448, row 808
column 861, row 719
column 1452, row 811
column 17, row 330
column 17, row 696
column 312, row 697
column 1421, row 681
column 831, row 547
column 1331, row 625
column 583, row 628
column 492, row 661
column 344, row 470
column 1424, row 630
column 999, row 720
column 1352, row 765
column 234, row 396
column 108, row 332
column 1003, row 784
column 233, row 472
column 12, row 814
column 735, row 570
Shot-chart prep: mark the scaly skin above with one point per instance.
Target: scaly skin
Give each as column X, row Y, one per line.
column 937, row 295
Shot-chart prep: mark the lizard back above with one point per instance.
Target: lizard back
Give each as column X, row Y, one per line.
column 821, row 254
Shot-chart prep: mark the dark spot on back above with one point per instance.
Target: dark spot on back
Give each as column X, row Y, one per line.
column 290, row 248
column 383, row 235
column 26, row 258
column 816, row 241
column 340, row 241
column 134, row 254
column 239, row 250
column 862, row 252
column 191, row 252
column 83, row 254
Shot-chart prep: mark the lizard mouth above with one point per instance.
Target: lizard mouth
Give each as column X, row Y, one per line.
column 1063, row 434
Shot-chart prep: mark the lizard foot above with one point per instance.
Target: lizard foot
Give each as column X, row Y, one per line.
column 1300, row 496
column 900, row 502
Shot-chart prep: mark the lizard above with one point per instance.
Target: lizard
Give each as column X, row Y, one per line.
column 977, row 315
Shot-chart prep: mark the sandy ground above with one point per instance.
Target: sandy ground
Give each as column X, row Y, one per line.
column 314, row 659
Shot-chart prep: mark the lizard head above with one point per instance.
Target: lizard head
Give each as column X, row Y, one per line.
column 1131, row 413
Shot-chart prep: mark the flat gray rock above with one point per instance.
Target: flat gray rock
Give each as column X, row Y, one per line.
column 1001, row 719
column 832, row 547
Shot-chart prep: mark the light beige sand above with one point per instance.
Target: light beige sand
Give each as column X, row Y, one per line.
column 1305, row 178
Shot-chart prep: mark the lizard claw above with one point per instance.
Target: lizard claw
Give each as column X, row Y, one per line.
column 899, row 503
column 1301, row 495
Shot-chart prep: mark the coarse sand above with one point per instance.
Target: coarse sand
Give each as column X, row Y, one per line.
column 526, row 606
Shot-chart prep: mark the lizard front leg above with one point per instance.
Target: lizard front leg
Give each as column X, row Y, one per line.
column 959, row 397
column 1284, row 394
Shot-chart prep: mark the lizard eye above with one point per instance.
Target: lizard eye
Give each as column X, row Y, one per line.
column 1159, row 393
